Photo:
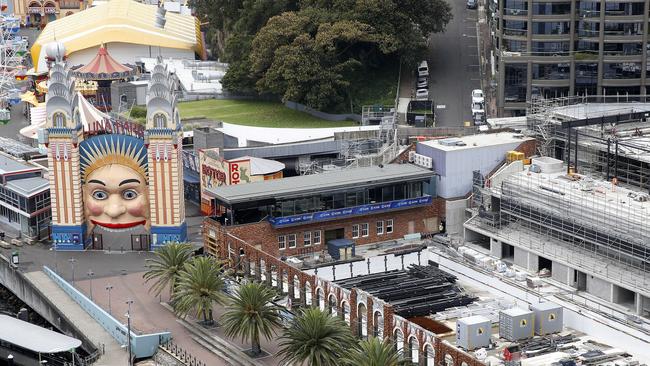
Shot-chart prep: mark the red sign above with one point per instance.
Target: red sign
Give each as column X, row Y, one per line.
column 234, row 173
column 118, row 127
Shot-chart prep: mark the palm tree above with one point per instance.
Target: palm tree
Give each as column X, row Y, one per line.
column 315, row 338
column 374, row 352
column 166, row 266
column 198, row 287
column 250, row 313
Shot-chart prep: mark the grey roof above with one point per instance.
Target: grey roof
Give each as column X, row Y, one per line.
column 10, row 165
column 318, row 183
column 28, row 186
column 35, row 338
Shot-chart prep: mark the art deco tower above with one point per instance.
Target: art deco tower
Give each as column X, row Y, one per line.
column 164, row 139
column 63, row 133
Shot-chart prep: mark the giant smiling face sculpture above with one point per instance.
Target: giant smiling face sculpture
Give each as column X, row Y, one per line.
column 115, row 191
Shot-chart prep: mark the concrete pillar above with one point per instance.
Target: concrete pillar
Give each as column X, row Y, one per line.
column 533, row 262
column 495, row 248
column 638, row 303
column 258, row 270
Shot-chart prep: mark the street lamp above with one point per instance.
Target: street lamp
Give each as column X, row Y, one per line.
column 109, row 288
column 128, row 330
column 90, row 275
column 72, row 261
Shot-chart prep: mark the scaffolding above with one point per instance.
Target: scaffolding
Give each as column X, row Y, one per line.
column 607, row 150
column 591, row 224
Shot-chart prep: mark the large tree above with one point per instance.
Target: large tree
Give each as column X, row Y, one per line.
column 315, row 338
column 166, row 266
column 310, row 51
column 250, row 313
column 375, row 352
column 199, row 286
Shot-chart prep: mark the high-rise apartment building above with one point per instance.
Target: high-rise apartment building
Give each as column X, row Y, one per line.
column 556, row 48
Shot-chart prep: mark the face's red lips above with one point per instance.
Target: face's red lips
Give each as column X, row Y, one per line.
column 124, row 225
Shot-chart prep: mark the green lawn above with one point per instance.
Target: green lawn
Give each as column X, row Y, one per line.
column 254, row 113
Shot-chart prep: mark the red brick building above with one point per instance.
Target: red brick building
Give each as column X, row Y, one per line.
column 302, row 215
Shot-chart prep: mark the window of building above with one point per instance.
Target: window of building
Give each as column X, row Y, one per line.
column 365, row 230
column 355, row 231
column 389, row 226
column 307, row 238
column 317, row 237
column 292, row 240
column 159, row 120
column 282, row 242
column 380, row 227
column 59, row 119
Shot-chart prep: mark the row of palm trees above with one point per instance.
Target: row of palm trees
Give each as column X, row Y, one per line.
column 312, row 337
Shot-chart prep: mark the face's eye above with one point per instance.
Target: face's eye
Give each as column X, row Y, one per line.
column 100, row 195
column 129, row 194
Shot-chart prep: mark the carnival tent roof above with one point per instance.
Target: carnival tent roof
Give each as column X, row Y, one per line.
column 125, row 21
column 103, row 67
column 88, row 113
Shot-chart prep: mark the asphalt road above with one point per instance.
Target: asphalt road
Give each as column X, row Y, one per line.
column 454, row 66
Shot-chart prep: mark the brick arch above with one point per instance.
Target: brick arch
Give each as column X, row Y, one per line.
column 426, row 357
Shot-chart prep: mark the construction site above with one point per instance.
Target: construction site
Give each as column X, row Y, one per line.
column 576, row 214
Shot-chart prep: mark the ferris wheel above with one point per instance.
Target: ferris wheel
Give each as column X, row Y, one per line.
column 13, row 49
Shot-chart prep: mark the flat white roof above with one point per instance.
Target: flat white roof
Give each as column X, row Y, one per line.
column 34, row 338
column 478, row 141
column 591, row 110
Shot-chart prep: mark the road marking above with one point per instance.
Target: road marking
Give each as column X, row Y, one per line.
column 441, row 106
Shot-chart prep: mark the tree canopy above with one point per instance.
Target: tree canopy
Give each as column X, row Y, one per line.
column 309, row 51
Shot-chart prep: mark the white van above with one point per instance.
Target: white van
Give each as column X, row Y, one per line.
column 423, row 69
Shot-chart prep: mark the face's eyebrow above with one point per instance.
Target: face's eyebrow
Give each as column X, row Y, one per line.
column 97, row 181
column 126, row 181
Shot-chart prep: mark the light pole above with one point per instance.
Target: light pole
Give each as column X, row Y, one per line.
column 109, row 288
column 72, row 260
column 90, row 276
column 128, row 330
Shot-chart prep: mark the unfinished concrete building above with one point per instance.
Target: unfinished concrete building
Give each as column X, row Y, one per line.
column 590, row 234
column 582, row 209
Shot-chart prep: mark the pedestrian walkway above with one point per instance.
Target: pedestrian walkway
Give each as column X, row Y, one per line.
column 150, row 314
column 114, row 354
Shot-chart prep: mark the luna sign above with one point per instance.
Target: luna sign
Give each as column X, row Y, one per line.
column 349, row 211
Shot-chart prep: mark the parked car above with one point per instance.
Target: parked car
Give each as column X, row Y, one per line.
column 472, row 4
column 421, row 94
column 423, row 84
column 477, row 95
column 479, row 118
column 423, row 69
column 478, row 107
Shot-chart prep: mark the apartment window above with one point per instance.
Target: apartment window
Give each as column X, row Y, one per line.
column 355, row 231
column 317, row 237
column 365, row 230
column 292, row 240
column 307, row 238
column 282, row 242
column 389, row 226
column 380, row 227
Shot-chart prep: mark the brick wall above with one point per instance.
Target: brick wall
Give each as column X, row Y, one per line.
column 263, row 234
column 247, row 258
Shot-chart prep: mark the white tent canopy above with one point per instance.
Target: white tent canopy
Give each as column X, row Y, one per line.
column 33, row 337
